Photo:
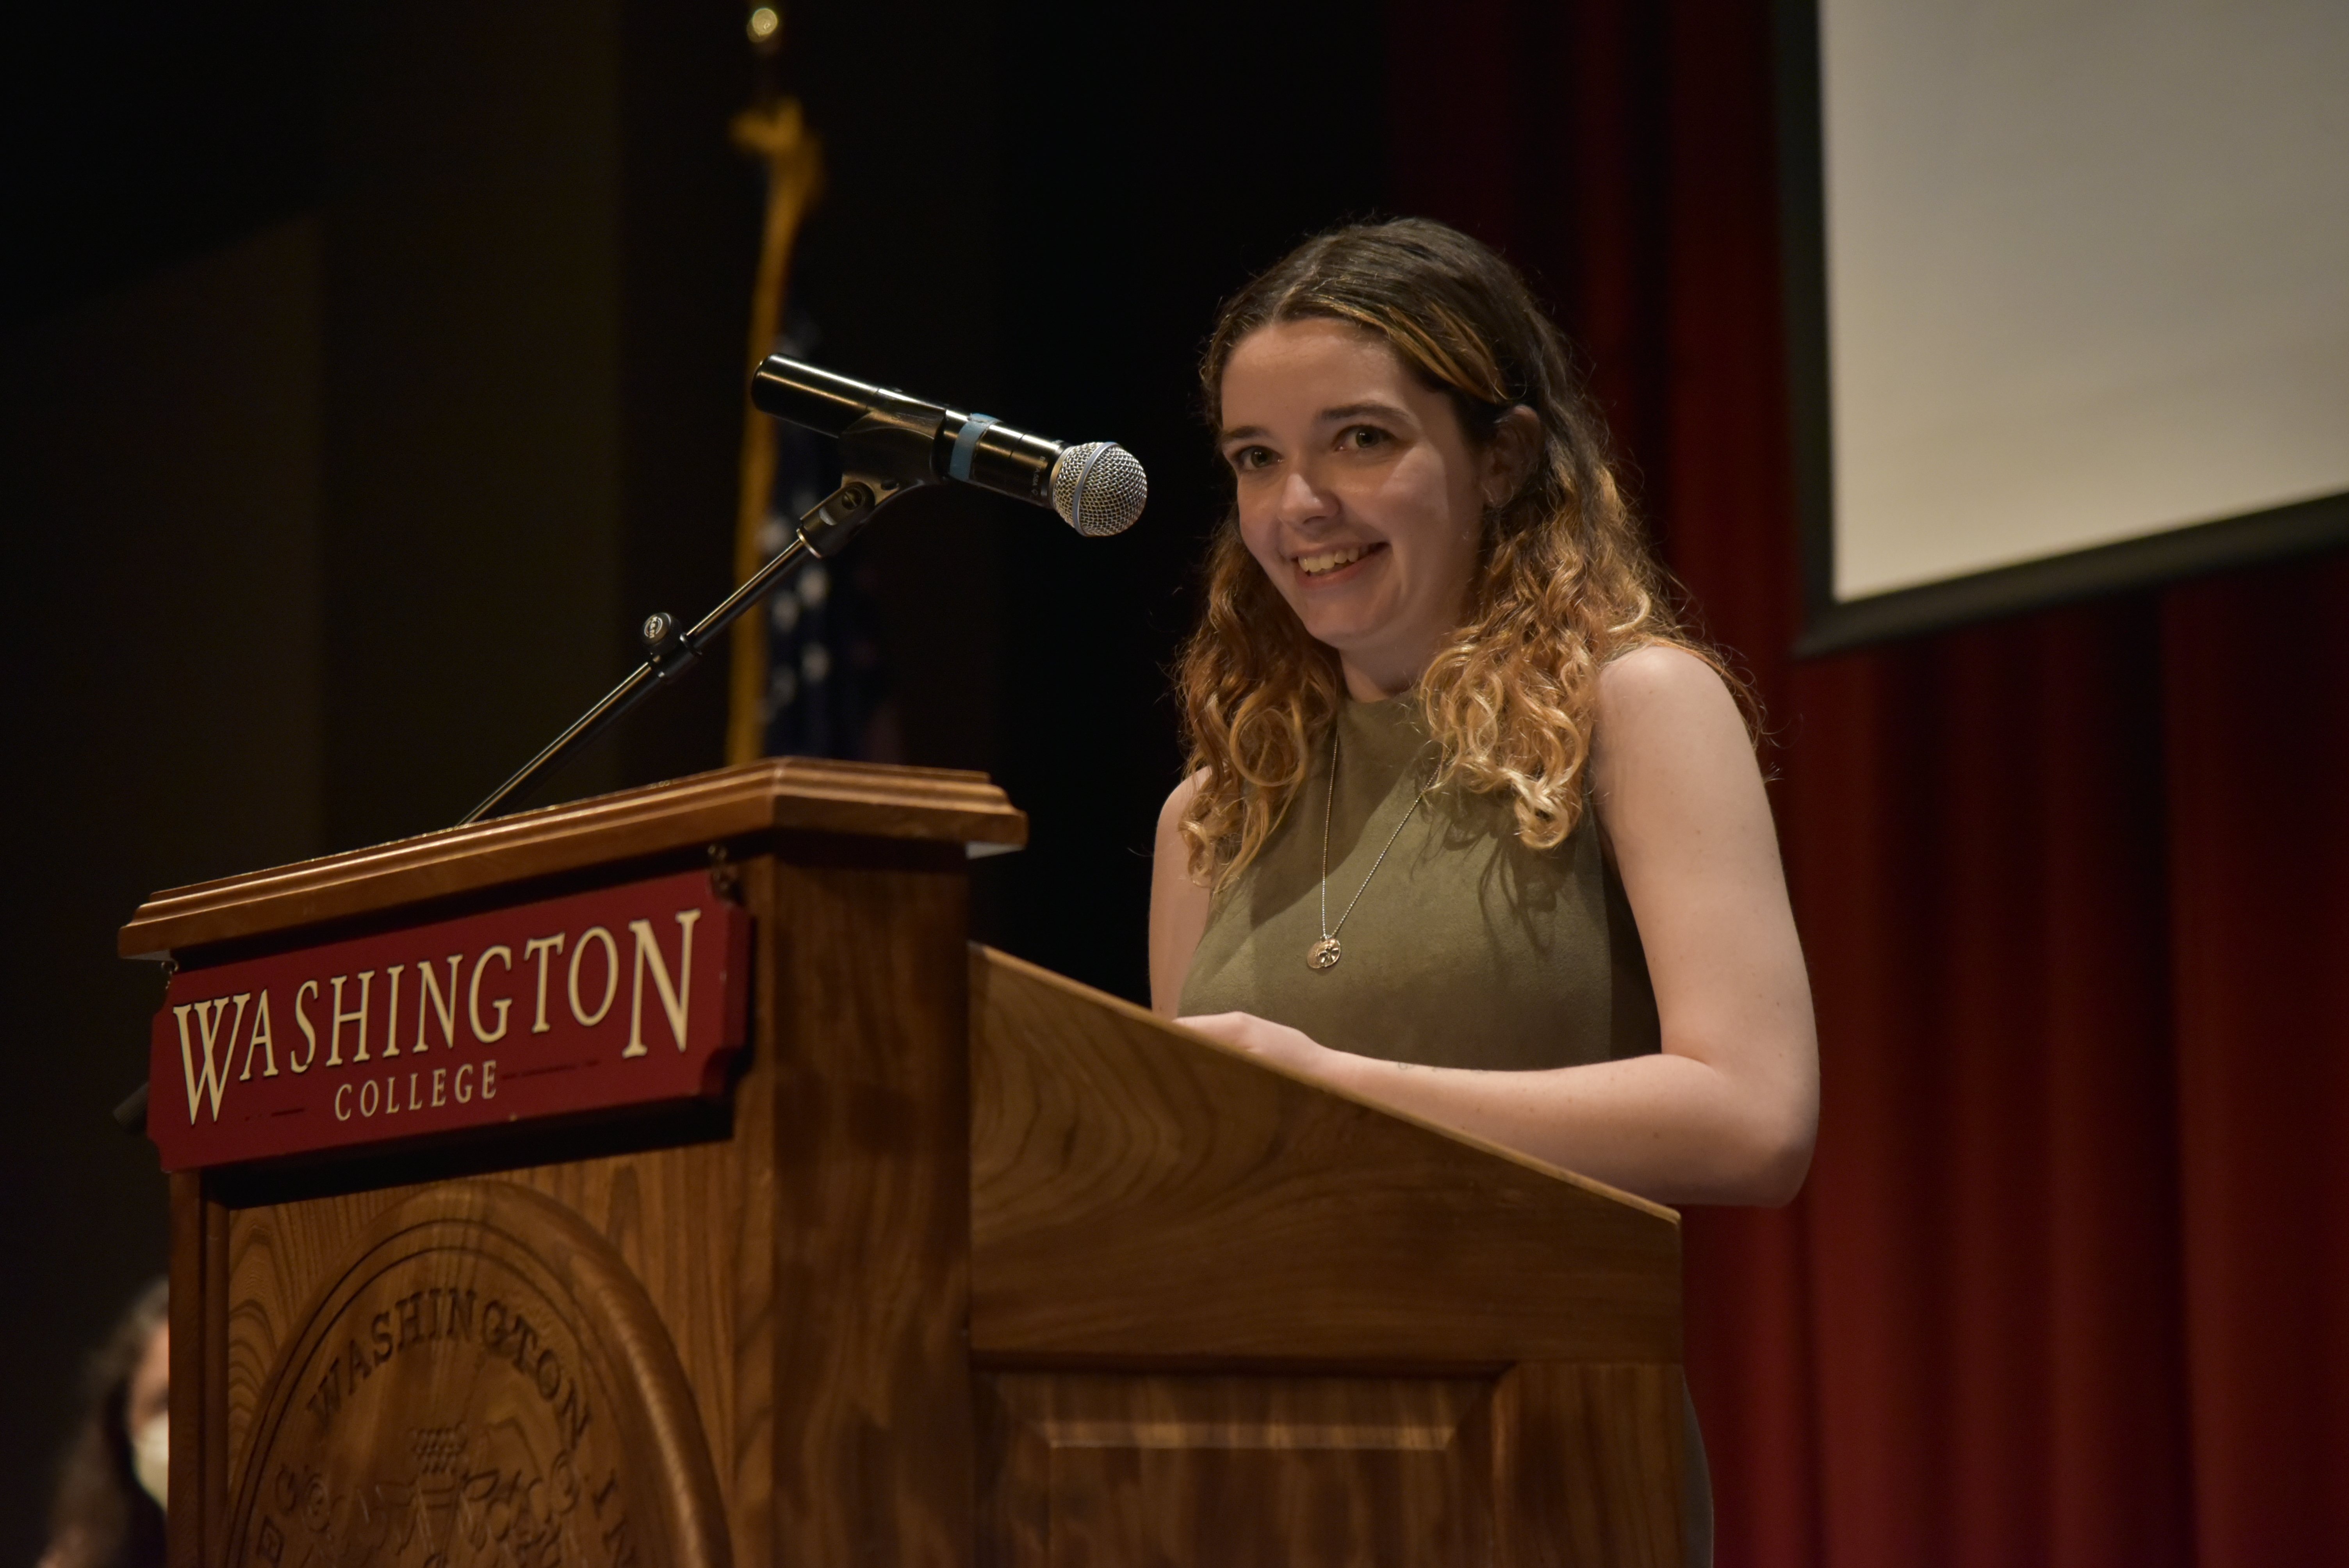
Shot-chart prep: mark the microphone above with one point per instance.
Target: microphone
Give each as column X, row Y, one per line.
column 1097, row 487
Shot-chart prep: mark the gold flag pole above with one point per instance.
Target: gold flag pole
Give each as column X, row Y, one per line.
column 776, row 132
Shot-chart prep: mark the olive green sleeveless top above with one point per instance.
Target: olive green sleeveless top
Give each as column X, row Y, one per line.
column 1465, row 948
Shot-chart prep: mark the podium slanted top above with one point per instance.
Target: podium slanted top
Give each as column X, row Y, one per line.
column 789, row 794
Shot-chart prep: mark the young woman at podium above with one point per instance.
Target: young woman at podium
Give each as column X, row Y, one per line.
column 1472, row 826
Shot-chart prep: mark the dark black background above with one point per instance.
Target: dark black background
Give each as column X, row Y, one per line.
column 365, row 374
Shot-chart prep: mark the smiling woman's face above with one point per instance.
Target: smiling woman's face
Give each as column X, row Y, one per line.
column 1360, row 494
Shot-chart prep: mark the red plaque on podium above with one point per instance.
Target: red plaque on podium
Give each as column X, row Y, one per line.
column 627, row 995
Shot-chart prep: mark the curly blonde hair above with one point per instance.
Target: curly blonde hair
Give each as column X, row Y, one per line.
column 1564, row 581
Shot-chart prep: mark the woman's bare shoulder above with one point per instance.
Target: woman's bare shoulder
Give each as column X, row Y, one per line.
column 1664, row 672
column 1179, row 900
column 1179, row 801
column 1663, row 689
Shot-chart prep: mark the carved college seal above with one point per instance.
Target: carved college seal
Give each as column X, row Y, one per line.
column 483, row 1384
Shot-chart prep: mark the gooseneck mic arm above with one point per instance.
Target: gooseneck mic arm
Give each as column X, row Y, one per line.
column 889, row 443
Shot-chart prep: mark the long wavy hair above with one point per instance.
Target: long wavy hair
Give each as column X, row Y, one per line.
column 1563, row 580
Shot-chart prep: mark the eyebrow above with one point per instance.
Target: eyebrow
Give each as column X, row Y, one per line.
column 1356, row 412
column 1344, row 411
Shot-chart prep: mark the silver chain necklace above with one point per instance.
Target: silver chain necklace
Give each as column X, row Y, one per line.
column 1325, row 953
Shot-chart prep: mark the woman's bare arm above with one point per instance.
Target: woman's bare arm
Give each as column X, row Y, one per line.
column 1727, row 1113
column 1178, row 904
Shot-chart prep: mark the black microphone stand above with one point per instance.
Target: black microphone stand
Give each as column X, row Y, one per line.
column 882, row 456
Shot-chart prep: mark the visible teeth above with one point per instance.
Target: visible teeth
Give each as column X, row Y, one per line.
column 1329, row 560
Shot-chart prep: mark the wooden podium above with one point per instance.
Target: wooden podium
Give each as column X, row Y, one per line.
column 965, row 1262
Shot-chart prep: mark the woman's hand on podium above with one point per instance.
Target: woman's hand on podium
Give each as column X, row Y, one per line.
column 1276, row 1043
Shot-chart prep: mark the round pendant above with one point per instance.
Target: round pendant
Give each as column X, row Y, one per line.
column 1324, row 955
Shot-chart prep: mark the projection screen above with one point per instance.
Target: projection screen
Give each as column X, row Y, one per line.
column 2069, row 291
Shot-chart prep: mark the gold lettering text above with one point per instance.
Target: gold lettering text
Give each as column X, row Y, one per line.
column 505, row 955
column 674, row 999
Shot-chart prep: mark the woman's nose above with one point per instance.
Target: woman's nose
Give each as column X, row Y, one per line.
column 1300, row 500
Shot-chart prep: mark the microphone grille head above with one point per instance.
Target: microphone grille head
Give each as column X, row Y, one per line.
column 1098, row 487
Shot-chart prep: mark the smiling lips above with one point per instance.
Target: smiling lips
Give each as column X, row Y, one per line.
column 1324, row 562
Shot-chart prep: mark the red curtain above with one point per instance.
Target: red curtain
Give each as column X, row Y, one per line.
column 2070, row 1281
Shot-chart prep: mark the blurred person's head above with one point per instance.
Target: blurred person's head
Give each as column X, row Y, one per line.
column 110, row 1504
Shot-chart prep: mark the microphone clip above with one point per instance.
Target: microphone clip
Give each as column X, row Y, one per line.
column 882, row 456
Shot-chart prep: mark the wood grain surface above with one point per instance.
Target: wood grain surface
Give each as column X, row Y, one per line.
column 1153, row 1468
column 1591, row 1459
column 199, row 1372
column 483, row 1381
column 789, row 794
column 673, row 1218
column 1138, row 1190
column 1545, row 1464
column 871, row 1162
column 808, row 1270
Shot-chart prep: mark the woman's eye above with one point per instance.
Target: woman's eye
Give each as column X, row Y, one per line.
column 1249, row 459
column 1357, row 438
